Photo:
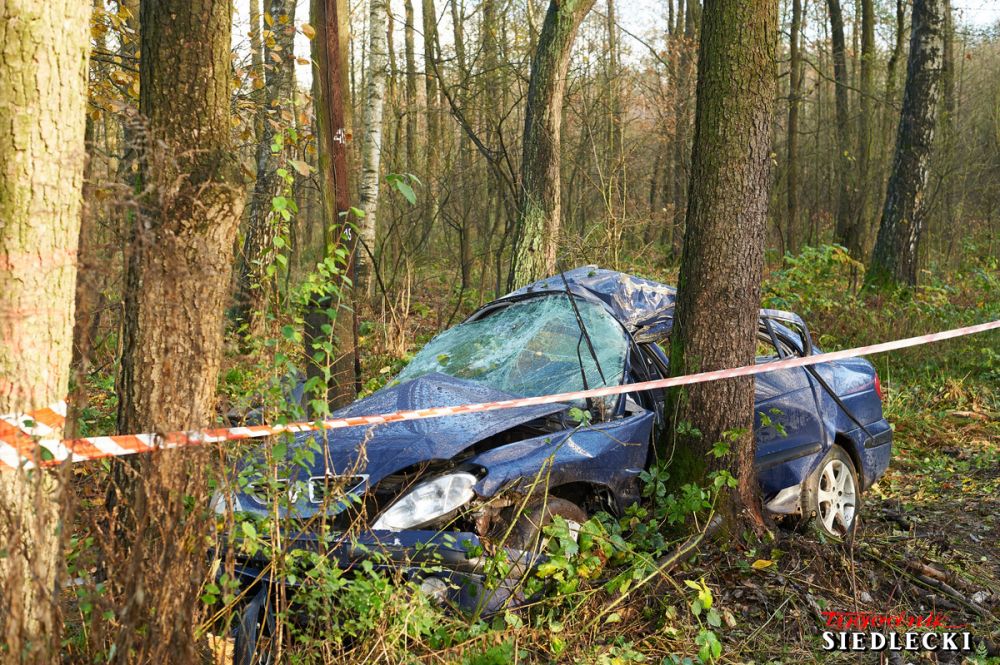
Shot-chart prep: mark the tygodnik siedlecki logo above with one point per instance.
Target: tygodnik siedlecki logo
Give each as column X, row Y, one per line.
column 862, row 631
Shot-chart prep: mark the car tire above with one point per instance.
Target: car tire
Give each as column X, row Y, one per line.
column 831, row 496
column 253, row 631
column 528, row 531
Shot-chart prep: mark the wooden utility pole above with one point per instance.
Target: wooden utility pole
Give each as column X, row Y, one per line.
column 331, row 322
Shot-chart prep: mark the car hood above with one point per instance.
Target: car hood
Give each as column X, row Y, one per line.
column 379, row 450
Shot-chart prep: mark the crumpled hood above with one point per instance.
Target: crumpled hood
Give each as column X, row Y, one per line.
column 380, row 450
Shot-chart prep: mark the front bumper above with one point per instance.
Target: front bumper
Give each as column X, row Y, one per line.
column 451, row 566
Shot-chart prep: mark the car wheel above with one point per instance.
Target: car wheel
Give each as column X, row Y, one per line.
column 832, row 495
column 253, row 632
column 528, row 531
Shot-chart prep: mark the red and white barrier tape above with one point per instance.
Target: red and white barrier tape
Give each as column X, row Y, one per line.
column 26, row 439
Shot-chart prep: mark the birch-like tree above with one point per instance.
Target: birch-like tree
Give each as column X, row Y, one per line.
column 371, row 143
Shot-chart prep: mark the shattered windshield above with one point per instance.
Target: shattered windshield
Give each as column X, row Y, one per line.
column 529, row 348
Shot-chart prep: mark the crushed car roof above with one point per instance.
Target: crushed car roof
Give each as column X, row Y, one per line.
column 644, row 307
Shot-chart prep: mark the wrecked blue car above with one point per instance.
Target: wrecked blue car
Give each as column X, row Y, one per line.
column 441, row 490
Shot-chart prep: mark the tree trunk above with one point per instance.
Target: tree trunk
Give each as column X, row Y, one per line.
column 687, row 47
column 794, row 93
column 865, row 120
column 719, row 283
column 255, row 286
column 257, row 68
column 948, row 218
column 371, row 146
column 894, row 260
column 331, row 323
column 538, row 226
column 411, row 87
column 433, row 147
column 176, row 291
column 615, row 192
column 845, row 231
column 42, row 111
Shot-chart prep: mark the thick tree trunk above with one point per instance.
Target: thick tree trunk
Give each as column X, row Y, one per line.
column 719, row 283
column 794, row 94
column 176, row 291
column 540, row 200
column 845, row 231
column 894, row 260
column 255, row 287
column 42, row 110
column 331, row 322
column 371, row 146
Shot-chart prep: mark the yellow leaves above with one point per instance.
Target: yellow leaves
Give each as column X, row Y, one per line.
column 308, row 31
column 120, row 77
column 761, row 564
column 268, row 19
column 303, row 61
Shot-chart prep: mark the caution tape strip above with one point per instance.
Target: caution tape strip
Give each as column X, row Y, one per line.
column 28, row 441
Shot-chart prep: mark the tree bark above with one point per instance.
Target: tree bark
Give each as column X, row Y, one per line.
column 255, row 287
column 949, row 215
column 894, row 260
column 540, row 200
column 176, row 291
column 794, row 94
column 865, row 120
column 257, row 67
column 686, row 45
column 42, row 111
column 845, row 231
column 331, row 323
column 723, row 256
column 411, row 87
column 432, row 112
column 371, row 146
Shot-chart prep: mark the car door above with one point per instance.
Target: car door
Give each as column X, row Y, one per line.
column 789, row 432
column 787, row 425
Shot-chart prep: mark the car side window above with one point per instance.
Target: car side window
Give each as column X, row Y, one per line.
column 765, row 351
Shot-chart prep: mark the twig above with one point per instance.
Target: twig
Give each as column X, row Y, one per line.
column 665, row 563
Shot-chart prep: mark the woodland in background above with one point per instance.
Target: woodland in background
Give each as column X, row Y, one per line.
column 451, row 132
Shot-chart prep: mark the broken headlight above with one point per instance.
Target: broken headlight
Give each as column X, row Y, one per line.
column 427, row 502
